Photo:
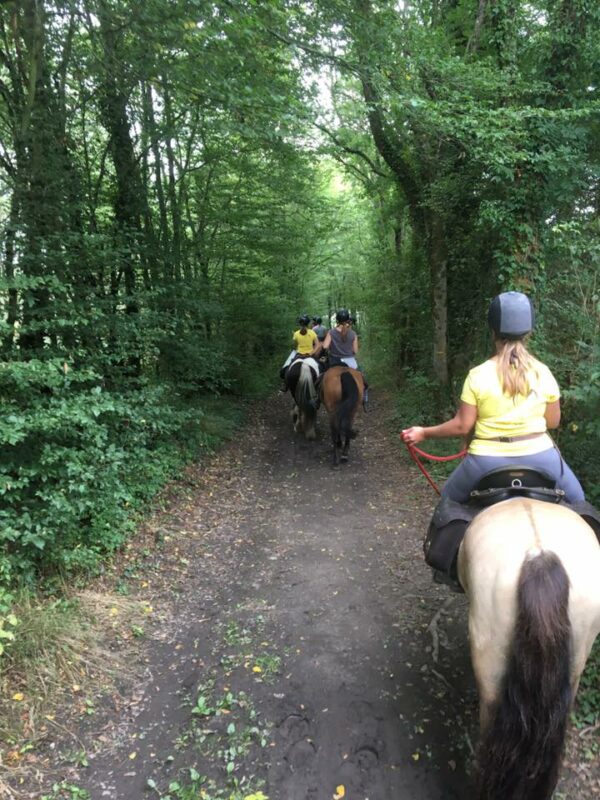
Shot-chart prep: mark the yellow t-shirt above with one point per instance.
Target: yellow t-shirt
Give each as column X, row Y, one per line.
column 303, row 343
column 501, row 415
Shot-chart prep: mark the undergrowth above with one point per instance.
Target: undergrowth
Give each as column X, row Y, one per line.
column 68, row 650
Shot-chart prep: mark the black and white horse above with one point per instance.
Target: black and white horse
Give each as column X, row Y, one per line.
column 301, row 378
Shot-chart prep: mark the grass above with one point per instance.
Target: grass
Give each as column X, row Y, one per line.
column 64, row 655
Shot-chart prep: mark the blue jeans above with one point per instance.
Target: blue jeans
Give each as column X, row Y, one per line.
column 468, row 474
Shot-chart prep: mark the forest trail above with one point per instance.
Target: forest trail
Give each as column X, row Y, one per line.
column 307, row 649
column 315, row 577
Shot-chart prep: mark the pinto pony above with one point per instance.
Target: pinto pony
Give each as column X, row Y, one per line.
column 342, row 393
column 300, row 378
column 531, row 571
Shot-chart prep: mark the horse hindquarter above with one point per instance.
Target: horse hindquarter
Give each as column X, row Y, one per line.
column 529, row 570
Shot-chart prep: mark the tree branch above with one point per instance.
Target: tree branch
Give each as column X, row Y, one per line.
column 352, row 150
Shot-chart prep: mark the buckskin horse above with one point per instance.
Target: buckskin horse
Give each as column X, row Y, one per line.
column 300, row 378
column 531, row 571
column 342, row 393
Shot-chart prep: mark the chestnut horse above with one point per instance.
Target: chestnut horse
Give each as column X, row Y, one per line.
column 342, row 393
column 531, row 571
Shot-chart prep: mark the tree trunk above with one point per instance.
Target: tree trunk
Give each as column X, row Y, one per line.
column 438, row 263
column 9, row 272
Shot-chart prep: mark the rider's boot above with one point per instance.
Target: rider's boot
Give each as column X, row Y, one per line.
column 283, row 387
column 451, row 582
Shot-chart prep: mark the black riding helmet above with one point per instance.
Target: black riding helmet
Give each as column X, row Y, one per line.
column 511, row 315
column 317, row 320
column 304, row 319
column 343, row 315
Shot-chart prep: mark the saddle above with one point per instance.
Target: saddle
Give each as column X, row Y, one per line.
column 451, row 519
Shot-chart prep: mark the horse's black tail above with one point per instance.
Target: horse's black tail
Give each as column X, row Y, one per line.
column 522, row 749
column 347, row 405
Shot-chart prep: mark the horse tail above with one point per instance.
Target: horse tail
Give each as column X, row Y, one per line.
column 522, row 749
column 347, row 404
column 305, row 389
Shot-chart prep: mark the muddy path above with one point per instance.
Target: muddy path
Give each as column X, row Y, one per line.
column 299, row 648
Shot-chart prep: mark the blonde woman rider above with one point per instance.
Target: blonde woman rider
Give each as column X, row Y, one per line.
column 510, row 401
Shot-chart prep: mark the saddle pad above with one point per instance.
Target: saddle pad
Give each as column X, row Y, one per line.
column 311, row 363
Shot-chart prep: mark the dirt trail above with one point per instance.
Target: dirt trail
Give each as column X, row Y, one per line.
column 307, row 649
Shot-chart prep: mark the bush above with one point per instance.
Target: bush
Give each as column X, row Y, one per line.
column 77, row 459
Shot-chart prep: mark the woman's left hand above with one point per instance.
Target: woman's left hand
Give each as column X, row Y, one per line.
column 413, row 435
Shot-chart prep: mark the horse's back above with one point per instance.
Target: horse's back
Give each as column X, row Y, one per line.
column 502, row 536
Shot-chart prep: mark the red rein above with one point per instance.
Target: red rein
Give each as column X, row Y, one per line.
column 415, row 452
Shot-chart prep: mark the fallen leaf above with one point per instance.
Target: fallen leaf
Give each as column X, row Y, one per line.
column 18, row 696
column 340, row 791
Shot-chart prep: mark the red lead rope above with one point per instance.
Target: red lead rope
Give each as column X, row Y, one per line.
column 415, row 452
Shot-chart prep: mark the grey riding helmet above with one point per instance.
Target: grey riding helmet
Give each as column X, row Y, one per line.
column 511, row 315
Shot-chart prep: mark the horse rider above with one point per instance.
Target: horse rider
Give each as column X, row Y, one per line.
column 305, row 345
column 508, row 403
column 342, row 344
column 319, row 328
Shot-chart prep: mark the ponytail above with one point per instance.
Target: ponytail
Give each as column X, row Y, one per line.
column 303, row 330
column 515, row 367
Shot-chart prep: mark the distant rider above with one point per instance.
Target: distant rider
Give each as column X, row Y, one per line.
column 319, row 328
column 342, row 344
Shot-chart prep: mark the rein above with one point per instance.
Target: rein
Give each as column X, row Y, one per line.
column 415, row 452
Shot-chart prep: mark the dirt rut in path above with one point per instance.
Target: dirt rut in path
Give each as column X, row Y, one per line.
column 308, row 654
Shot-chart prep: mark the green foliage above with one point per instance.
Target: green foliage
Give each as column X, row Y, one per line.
column 161, row 267
column 77, row 459
column 587, row 709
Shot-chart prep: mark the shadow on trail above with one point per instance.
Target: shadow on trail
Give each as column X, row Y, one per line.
column 309, row 649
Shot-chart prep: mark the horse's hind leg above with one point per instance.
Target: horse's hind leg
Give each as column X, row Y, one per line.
column 346, row 448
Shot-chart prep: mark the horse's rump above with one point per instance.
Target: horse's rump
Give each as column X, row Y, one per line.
column 332, row 386
column 530, row 570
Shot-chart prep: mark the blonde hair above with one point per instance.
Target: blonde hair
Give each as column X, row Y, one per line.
column 515, row 367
